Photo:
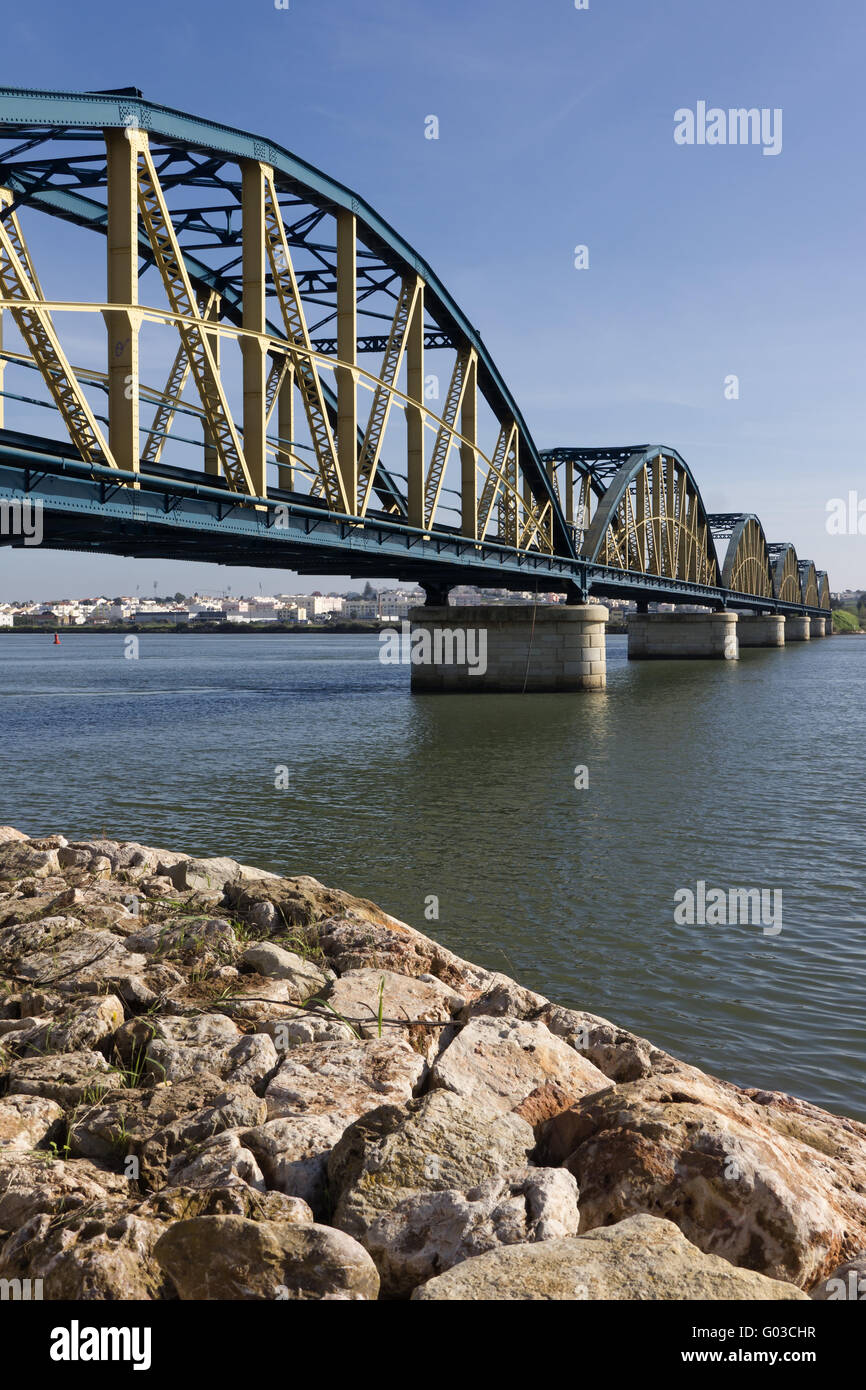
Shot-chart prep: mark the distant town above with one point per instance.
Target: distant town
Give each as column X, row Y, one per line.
column 371, row 606
column 294, row 610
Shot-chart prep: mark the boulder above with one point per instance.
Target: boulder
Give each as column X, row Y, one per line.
column 25, row 859
column 502, row 996
column 297, row 903
column 75, row 1030
column 181, row 1047
column 276, row 963
column 640, row 1258
column 228, row 1257
column 500, row 1061
column 79, row 960
column 440, row 1143
column 846, row 1283
column 196, row 940
column 26, row 1120
column 101, row 1254
column 620, row 1055
column 429, row 1232
column 266, row 1003
column 34, row 1183
column 343, row 1078
column 161, row 1122
column 212, row 875
column 222, row 1161
column 294, row 1028
column 362, row 937
column 70, row 1078
column 293, row 1155
column 356, row 996
column 183, row 1203
column 769, row 1183
column 8, row 835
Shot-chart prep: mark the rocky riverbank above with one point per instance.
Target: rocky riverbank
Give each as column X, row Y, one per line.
column 216, row 1083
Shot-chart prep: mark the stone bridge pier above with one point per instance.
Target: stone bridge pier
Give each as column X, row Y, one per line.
column 507, row 647
column 798, row 628
column 761, row 630
column 671, row 636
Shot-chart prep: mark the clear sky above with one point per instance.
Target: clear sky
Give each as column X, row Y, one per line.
column 556, row 129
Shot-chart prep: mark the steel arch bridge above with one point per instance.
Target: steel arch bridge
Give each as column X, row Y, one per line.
column 248, row 365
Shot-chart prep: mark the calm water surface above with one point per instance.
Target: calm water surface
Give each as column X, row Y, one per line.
column 740, row 774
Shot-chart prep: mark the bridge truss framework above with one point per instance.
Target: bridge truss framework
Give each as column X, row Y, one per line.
column 296, row 333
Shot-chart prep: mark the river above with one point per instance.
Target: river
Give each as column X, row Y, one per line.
column 727, row 773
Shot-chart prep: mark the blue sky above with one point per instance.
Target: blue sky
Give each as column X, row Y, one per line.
column 556, row 129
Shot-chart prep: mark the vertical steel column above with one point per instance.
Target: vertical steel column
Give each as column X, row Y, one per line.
column 526, row 493
column 286, row 428
column 347, row 352
column 415, row 413
column 211, row 457
column 468, row 451
column 123, row 324
column 254, row 350
column 2, row 371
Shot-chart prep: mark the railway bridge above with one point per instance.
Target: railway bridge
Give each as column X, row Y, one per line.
column 213, row 351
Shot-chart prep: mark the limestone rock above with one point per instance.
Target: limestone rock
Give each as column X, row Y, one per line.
column 292, row 1028
column 299, row 902
column 99, row 1254
column 503, row 996
column 439, row 1143
column 8, row 835
column 183, row 1203
column 181, row 1047
column 70, row 1078
column 345, row 1077
column 356, row 938
column 75, row 1030
column 293, row 1155
column 20, row 858
column 429, row 1232
column 34, row 1183
column 227, row 1257
column 274, row 962
column 26, row 1120
column 267, row 1003
column 355, row 996
column 80, row 960
column 501, row 1060
column 222, row 1161
column 620, row 1055
column 212, row 875
column 158, row 1124
column 774, row 1184
column 641, row 1258
column 846, row 1283
column 201, row 941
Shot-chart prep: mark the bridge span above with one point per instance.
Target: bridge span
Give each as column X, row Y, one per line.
column 247, row 365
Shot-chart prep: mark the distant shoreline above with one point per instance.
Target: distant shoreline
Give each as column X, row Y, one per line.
column 223, row 629
column 209, row 629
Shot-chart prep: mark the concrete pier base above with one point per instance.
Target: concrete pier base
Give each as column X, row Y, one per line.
column 817, row 627
column 670, row 636
column 761, row 630
column 797, row 629
column 508, row 647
